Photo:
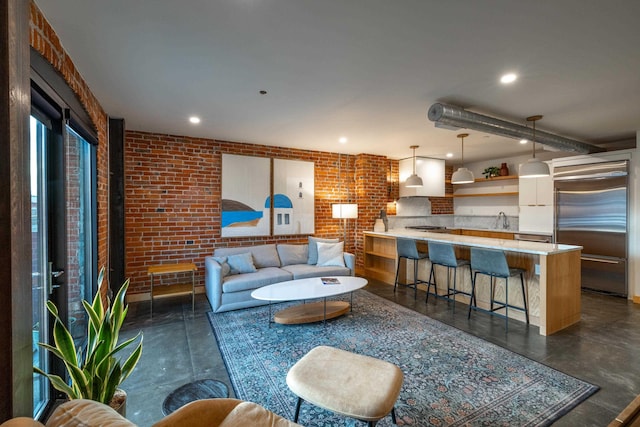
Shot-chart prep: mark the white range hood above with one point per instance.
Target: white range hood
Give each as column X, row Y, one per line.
column 430, row 170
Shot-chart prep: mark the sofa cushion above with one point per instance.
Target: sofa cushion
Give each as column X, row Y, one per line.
column 263, row 255
column 313, row 248
column 224, row 265
column 330, row 254
column 248, row 281
column 241, row 263
column 293, row 254
column 302, row 271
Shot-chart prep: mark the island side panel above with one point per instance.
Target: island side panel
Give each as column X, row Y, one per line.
column 560, row 279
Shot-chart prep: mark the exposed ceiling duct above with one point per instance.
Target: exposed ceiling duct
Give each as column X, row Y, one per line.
column 450, row 115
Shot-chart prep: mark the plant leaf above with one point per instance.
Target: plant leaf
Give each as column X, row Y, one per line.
column 58, row 383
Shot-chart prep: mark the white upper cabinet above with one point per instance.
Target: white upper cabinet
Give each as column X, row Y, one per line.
column 536, row 204
column 536, row 191
column 430, row 170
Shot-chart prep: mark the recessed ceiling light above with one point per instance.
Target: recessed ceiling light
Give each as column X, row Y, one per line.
column 508, row 78
column 449, row 155
column 195, row 120
column 343, row 140
column 524, row 141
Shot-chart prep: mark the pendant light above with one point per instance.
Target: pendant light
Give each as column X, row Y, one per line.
column 462, row 175
column 534, row 168
column 414, row 180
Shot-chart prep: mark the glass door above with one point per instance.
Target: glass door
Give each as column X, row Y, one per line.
column 80, row 196
column 64, row 220
column 40, row 278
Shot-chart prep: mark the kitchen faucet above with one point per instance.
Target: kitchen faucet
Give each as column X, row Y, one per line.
column 505, row 220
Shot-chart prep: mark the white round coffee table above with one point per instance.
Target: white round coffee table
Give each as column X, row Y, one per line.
column 306, row 289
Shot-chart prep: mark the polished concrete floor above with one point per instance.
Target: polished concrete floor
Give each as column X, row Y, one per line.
column 603, row 349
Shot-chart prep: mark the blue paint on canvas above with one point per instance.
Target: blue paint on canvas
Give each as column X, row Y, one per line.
column 279, row 201
column 233, row 217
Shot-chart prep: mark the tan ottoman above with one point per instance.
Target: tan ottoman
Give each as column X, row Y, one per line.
column 349, row 384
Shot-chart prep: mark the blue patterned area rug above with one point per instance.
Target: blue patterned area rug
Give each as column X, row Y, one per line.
column 451, row 378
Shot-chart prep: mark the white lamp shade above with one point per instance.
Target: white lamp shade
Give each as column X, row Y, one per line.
column 534, row 168
column 344, row 210
column 413, row 181
column 462, row 176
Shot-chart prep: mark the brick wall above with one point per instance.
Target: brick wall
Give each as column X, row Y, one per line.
column 444, row 205
column 173, row 198
column 44, row 40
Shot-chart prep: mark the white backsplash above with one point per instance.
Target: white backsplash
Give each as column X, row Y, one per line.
column 454, row 221
column 413, row 206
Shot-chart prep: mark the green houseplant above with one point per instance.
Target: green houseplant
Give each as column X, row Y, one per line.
column 96, row 372
column 491, row 171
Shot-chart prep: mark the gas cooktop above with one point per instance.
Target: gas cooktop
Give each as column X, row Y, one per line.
column 425, row 227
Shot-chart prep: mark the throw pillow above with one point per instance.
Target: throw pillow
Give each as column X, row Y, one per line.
column 313, row 248
column 330, row 254
column 241, row 263
column 222, row 260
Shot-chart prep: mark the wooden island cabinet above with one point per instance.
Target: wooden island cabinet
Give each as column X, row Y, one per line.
column 552, row 279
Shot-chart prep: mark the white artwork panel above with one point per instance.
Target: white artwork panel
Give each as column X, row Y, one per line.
column 293, row 188
column 245, row 195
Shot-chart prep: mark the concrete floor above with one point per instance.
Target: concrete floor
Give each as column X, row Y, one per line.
column 602, row 349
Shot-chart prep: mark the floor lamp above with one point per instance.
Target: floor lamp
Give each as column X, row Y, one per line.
column 344, row 211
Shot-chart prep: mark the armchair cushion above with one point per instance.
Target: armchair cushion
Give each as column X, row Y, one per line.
column 21, row 422
column 82, row 412
column 223, row 413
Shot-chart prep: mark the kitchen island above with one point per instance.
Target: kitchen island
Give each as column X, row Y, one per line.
column 552, row 279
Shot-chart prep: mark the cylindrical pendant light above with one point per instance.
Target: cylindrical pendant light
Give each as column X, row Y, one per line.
column 414, row 180
column 462, row 175
column 534, row 168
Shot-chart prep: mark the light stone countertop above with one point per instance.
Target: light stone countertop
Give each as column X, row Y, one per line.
column 481, row 242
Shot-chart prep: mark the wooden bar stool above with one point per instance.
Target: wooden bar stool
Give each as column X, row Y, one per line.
column 443, row 254
column 493, row 263
column 408, row 250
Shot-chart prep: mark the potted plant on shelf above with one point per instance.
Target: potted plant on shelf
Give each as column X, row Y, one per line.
column 491, row 172
column 96, row 372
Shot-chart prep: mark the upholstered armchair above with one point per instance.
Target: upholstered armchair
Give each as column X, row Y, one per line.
column 200, row 413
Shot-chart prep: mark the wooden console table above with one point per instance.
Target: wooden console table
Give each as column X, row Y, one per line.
column 173, row 290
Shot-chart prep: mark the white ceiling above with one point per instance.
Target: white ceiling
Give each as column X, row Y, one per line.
column 364, row 69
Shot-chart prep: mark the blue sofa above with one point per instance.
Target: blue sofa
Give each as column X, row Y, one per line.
column 272, row 263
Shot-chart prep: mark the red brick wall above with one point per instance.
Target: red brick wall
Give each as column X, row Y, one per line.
column 444, row 205
column 372, row 190
column 44, row 40
column 173, row 198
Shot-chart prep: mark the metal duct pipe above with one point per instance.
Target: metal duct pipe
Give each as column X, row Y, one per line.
column 452, row 115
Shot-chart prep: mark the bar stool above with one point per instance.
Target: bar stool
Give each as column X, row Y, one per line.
column 493, row 263
column 443, row 254
column 408, row 250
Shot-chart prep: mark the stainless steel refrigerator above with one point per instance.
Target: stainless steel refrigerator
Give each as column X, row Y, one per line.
column 591, row 211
